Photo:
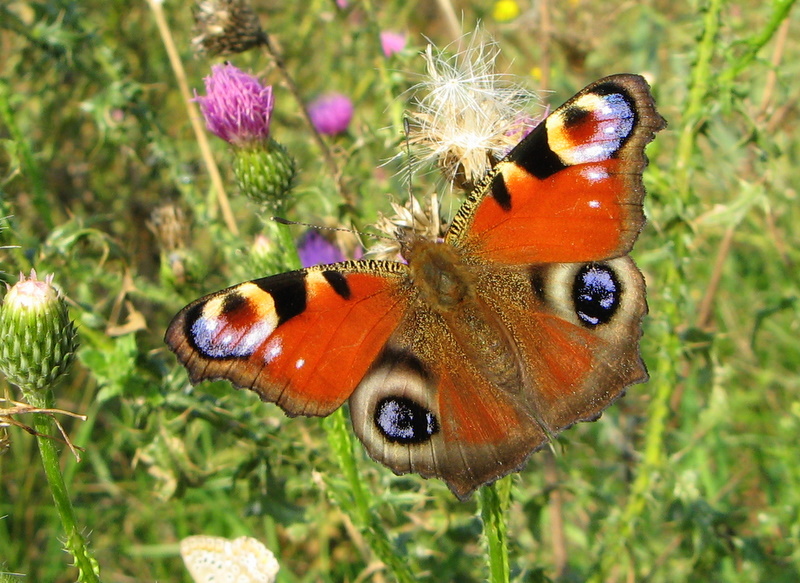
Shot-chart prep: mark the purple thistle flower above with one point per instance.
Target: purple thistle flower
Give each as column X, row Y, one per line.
column 237, row 107
column 314, row 249
column 331, row 113
column 392, row 42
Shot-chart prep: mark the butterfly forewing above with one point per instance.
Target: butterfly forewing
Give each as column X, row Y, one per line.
column 302, row 339
column 572, row 190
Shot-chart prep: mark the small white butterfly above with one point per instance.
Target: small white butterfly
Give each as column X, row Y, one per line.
column 213, row 559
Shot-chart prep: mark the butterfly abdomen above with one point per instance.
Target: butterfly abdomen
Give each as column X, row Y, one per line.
column 446, row 285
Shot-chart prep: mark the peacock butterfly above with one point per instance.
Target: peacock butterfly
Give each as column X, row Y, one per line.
column 463, row 360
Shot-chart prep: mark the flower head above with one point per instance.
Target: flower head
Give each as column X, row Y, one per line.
column 39, row 339
column 505, row 10
column 225, row 27
column 315, row 249
column 408, row 222
column 468, row 117
column 392, row 42
column 236, row 107
column 331, row 113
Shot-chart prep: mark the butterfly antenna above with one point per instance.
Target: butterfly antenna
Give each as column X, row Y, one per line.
column 282, row 221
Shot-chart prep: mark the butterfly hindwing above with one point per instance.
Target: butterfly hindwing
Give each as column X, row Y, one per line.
column 302, row 339
column 425, row 408
column 561, row 345
column 570, row 191
column 579, row 333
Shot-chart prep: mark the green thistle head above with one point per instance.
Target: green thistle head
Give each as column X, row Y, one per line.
column 38, row 338
column 265, row 173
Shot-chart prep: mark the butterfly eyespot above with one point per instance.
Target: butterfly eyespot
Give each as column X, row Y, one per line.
column 596, row 294
column 402, row 420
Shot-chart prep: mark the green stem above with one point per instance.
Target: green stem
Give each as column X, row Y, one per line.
column 342, row 443
column 75, row 543
column 357, row 501
column 702, row 75
column 285, row 240
column 494, row 501
column 779, row 13
column 30, row 167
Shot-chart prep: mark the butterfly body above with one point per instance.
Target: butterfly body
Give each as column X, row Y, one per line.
column 461, row 361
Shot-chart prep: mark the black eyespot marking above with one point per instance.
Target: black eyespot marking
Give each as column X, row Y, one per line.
column 193, row 314
column 233, row 301
column 288, row 291
column 338, row 282
column 575, row 116
column 596, row 293
column 538, row 283
column 500, row 192
column 402, row 420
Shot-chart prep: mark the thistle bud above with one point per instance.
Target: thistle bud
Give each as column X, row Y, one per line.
column 262, row 256
column 265, row 173
column 39, row 339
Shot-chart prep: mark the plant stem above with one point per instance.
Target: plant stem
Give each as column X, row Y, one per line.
column 779, row 15
column 288, row 80
column 494, row 500
column 282, row 234
column 194, row 116
column 75, row 543
column 701, row 79
column 30, row 167
column 359, row 508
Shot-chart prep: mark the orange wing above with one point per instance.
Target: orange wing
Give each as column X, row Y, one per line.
column 302, row 339
column 572, row 190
